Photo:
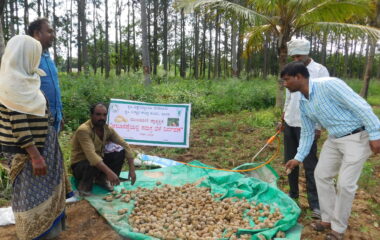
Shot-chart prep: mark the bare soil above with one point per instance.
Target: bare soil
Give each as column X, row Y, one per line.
column 224, row 141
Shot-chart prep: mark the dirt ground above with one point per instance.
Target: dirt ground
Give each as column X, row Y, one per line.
column 84, row 223
column 240, row 142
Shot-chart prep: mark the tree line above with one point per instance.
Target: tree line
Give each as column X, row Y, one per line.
column 200, row 39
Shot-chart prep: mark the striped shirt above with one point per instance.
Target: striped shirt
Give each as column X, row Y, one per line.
column 292, row 114
column 19, row 130
column 336, row 107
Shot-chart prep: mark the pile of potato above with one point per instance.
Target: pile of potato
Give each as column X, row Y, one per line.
column 190, row 212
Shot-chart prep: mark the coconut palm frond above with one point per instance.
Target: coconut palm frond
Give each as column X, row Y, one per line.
column 354, row 30
column 265, row 5
column 256, row 35
column 251, row 15
column 334, row 11
column 187, row 5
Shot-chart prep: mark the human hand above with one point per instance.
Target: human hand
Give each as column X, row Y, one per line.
column 113, row 178
column 290, row 165
column 280, row 126
column 39, row 165
column 375, row 146
column 317, row 134
column 132, row 175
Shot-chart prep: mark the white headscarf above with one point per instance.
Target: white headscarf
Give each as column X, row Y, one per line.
column 298, row 47
column 20, row 77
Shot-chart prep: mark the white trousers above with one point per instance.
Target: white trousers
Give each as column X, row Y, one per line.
column 344, row 157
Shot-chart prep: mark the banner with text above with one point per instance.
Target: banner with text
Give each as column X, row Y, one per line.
column 151, row 124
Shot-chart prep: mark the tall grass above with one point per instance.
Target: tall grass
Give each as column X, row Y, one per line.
column 207, row 97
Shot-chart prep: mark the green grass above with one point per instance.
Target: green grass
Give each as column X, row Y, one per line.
column 5, row 187
column 65, row 143
column 367, row 179
column 374, row 99
column 377, row 111
column 206, row 97
column 264, row 118
column 373, row 91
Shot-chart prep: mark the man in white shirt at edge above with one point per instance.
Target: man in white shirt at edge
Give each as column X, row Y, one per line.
column 299, row 50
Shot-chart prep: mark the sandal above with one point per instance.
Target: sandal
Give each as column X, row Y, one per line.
column 320, row 226
column 316, row 214
column 334, row 236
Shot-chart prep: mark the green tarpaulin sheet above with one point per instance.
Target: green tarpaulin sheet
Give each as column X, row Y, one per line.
column 230, row 184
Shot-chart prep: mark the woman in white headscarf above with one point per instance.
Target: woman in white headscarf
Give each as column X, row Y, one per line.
column 30, row 144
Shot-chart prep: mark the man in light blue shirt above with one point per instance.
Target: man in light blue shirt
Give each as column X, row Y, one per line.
column 41, row 30
column 354, row 131
column 298, row 50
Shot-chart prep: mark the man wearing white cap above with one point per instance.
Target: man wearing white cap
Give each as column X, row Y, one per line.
column 299, row 49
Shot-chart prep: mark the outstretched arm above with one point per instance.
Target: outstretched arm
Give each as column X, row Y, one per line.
column 111, row 176
column 129, row 154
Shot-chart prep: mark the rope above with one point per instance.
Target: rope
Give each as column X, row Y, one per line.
column 270, row 140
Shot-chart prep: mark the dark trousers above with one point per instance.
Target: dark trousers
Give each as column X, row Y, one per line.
column 85, row 174
column 291, row 142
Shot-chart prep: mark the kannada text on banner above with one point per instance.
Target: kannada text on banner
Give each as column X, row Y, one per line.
column 151, row 124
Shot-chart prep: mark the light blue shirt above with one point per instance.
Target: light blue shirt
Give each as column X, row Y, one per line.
column 50, row 87
column 336, row 107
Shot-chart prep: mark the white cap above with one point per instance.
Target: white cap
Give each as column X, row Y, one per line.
column 298, row 47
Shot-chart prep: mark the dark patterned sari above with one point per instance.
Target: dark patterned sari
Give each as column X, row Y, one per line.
column 38, row 202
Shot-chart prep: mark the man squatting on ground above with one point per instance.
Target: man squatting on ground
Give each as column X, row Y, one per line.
column 89, row 163
column 354, row 130
column 42, row 31
column 299, row 50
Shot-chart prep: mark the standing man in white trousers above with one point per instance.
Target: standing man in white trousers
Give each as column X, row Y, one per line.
column 354, row 130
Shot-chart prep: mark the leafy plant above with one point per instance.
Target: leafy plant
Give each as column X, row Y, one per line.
column 5, row 186
column 206, row 97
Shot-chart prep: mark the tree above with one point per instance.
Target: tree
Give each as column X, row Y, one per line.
column 83, row 36
column 233, row 48
column 13, row 20
column 216, row 45
column 182, row 69
column 128, row 44
column 375, row 22
column 39, row 8
column 135, row 58
column 94, row 29
column 155, row 36
column 165, row 35
column 79, row 41
column 107, row 56
column 2, row 42
column 55, row 20
column 117, row 32
column 68, row 29
column 196, row 45
column 145, row 48
column 26, row 15
column 283, row 19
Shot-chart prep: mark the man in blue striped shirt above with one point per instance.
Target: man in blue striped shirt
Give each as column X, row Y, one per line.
column 354, row 130
column 299, row 50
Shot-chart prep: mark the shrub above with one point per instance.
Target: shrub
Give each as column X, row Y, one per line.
column 207, row 97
